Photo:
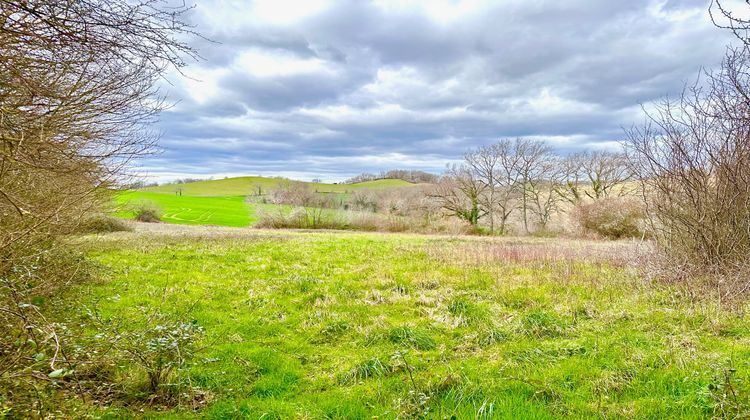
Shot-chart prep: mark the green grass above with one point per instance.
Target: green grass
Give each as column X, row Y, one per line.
column 247, row 185
column 329, row 325
column 220, row 211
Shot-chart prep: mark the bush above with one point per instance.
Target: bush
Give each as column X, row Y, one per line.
column 27, row 346
column 147, row 211
column 612, row 218
column 302, row 218
column 692, row 157
column 316, row 218
column 102, row 223
column 160, row 346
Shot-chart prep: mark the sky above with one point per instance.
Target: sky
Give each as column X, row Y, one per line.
column 330, row 89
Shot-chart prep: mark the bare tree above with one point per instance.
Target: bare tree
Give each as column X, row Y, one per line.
column 483, row 165
column 542, row 191
column 573, row 187
column 606, row 172
column 498, row 168
column 731, row 18
column 459, row 193
column 532, row 155
column 294, row 193
column 257, row 189
column 595, row 174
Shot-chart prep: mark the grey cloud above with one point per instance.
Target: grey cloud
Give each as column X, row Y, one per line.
column 444, row 86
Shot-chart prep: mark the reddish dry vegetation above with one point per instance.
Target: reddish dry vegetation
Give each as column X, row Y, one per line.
column 615, row 253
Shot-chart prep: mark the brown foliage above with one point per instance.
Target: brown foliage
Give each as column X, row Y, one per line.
column 77, row 93
column 692, row 157
column 612, row 218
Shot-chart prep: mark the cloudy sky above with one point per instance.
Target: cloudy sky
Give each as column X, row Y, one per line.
column 328, row 89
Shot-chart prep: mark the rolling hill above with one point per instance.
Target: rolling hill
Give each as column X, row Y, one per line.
column 245, row 185
column 222, row 202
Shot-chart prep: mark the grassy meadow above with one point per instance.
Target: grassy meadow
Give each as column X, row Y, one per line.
column 355, row 325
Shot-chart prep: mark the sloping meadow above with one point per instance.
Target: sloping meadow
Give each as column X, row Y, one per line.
column 357, row 325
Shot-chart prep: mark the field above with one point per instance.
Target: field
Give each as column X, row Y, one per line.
column 352, row 325
column 223, row 202
column 247, row 185
column 220, row 211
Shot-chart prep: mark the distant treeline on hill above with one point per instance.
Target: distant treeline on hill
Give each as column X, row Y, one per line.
column 404, row 174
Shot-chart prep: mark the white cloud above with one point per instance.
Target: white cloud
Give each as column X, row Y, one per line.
column 272, row 64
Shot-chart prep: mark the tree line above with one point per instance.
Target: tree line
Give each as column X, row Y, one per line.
column 527, row 176
column 409, row 175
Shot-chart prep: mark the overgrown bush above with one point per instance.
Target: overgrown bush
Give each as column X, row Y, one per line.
column 146, row 211
column 31, row 346
column 102, row 223
column 316, row 218
column 613, row 218
column 78, row 91
column 692, row 157
column 302, row 218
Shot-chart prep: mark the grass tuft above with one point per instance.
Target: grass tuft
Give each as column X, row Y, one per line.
column 370, row 368
column 542, row 324
column 412, row 337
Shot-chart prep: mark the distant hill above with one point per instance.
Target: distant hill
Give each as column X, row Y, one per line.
column 246, row 185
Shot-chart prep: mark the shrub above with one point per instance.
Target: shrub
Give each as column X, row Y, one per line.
column 27, row 347
column 317, row 218
column 293, row 193
column 159, row 345
column 102, row 223
column 302, row 218
column 380, row 223
column 147, row 211
column 692, row 157
column 612, row 218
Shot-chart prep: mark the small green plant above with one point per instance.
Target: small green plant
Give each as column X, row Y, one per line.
column 466, row 311
column 542, row 324
column 331, row 331
column 159, row 346
column 492, row 336
column 729, row 399
column 417, row 402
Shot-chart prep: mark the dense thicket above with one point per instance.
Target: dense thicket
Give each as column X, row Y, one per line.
column 77, row 94
column 692, row 156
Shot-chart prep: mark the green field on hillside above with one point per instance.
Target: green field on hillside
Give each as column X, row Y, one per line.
column 342, row 325
column 247, row 185
column 222, row 202
column 220, row 211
